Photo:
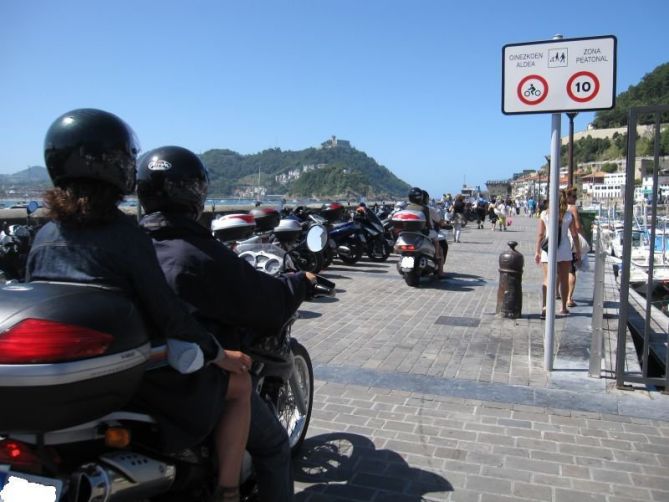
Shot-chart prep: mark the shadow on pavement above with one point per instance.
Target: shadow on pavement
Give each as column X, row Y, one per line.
column 328, row 275
column 308, row 314
column 454, row 282
column 347, row 466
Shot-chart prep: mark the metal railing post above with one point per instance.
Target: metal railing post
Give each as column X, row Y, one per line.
column 595, row 369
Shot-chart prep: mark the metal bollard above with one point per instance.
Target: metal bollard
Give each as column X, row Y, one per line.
column 510, row 291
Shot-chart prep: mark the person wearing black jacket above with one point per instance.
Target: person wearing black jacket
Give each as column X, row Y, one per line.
column 221, row 290
column 90, row 156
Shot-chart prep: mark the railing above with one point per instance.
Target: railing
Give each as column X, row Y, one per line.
column 597, row 342
column 648, row 334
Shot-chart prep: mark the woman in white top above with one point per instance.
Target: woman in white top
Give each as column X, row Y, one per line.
column 501, row 212
column 564, row 251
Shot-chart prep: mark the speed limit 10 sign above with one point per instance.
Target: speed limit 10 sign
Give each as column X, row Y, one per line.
column 560, row 75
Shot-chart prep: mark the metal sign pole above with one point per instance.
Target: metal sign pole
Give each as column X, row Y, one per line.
column 553, row 229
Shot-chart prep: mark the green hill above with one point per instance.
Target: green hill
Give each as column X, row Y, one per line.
column 321, row 172
column 652, row 90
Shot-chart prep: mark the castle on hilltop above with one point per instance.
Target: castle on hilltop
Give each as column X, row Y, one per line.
column 333, row 142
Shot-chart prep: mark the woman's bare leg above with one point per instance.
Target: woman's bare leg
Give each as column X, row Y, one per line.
column 544, row 287
column 233, row 430
column 563, row 273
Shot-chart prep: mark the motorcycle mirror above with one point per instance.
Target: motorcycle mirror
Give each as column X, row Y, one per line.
column 32, row 207
column 317, row 238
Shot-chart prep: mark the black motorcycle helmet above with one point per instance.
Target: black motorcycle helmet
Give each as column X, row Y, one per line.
column 91, row 144
column 416, row 196
column 172, row 178
column 426, row 198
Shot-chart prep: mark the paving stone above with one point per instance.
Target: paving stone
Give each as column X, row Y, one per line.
column 407, row 409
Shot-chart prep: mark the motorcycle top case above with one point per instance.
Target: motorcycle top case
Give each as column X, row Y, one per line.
column 69, row 353
column 233, row 227
column 288, row 231
column 409, row 220
column 266, row 218
column 332, row 211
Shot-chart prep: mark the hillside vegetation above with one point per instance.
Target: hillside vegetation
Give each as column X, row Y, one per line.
column 341, row 171
column 652, row 90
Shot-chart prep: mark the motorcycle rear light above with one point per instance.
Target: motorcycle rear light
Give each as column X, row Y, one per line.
column 20, row 456
column 407, row 247
column 38, row 341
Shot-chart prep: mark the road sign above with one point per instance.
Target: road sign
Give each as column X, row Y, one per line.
column 560, row 75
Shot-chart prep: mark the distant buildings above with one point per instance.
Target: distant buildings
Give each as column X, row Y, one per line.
column 294, row 174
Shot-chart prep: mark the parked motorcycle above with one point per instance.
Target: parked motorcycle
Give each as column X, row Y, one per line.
column 15, row 242
column 378, row 245
column 416, row 249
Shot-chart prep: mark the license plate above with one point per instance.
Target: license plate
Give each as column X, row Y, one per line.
column 21, row 487
column 407, row 262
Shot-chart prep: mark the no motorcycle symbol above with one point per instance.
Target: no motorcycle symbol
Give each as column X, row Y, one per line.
column 532, row 90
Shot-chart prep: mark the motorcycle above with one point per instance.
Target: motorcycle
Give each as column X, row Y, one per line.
column 291, row 235
column 416, row 249
column 15, row 242
column 378, row 245
column 70, row 434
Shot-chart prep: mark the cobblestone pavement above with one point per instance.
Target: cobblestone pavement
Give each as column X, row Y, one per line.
column 425, row 394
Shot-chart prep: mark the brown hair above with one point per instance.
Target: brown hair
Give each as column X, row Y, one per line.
column 83, row 202
column 563, row 203
column 571, row 192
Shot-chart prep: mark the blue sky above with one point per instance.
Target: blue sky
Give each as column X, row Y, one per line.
column 414, row 84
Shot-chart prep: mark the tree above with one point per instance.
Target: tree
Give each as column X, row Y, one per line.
column 652, row 90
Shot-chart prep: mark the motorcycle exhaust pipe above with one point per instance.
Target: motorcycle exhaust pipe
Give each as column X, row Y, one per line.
column 121, row 475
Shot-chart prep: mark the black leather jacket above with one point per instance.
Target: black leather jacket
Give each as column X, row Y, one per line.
column 220, row 289
column 116, row 254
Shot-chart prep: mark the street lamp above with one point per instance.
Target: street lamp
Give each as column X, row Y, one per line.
column 570, row 172
column 548, row 175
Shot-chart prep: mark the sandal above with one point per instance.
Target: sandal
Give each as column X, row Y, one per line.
column 564, row 312
column 572, row 304
column 543, row 314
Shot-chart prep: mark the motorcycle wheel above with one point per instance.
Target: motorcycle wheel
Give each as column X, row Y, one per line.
column 328, row 257
column 378, row 251
column 308, row 261
column 354, row 258
column 296, row 423
column 412, row 278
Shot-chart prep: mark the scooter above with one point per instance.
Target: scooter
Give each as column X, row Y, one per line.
column 377, row 244
column 416, row 249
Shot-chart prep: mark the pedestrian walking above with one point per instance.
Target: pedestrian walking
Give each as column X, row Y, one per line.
column 492, row 215
column 571, row 207
column 501, row 212
column 564, row 254
column 458, row 210
column 480, row 211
